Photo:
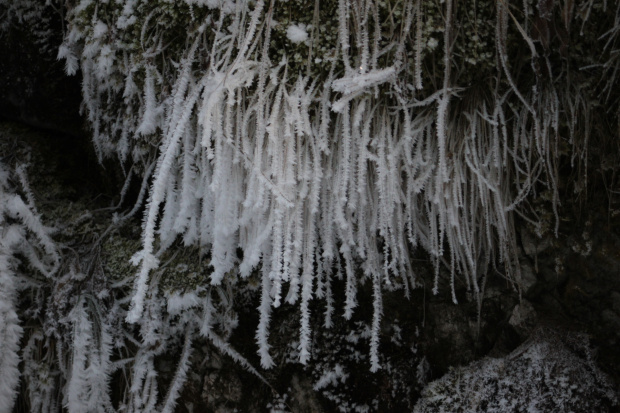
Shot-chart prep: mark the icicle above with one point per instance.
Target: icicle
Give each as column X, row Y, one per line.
column 262, row 333
column 376, row 323
column 77, row 386
column 16, row 208
column 149, row 122
column 306, row 296
column 442, row 109
column 329, row 300
column 418, row 45
column 158, row 191
column 351, row 287
column 343, row 32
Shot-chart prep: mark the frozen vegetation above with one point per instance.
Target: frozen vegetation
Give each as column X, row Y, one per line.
column 298, row 154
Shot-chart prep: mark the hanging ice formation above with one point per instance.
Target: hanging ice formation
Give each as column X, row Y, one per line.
column 312, row 175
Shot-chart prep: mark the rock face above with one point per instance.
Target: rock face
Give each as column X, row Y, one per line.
column 550, row 372
column 523, row 318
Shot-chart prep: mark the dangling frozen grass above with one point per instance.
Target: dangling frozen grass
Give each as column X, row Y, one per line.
column 21, row 235
column 63, row 303
column 346, row 161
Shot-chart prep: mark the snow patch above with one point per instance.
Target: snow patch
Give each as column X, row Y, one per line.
column 297, row 33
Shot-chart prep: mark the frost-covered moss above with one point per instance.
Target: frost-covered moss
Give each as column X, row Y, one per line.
column 116, row 252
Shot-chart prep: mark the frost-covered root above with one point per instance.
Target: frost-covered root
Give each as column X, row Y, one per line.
column 548, row 373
